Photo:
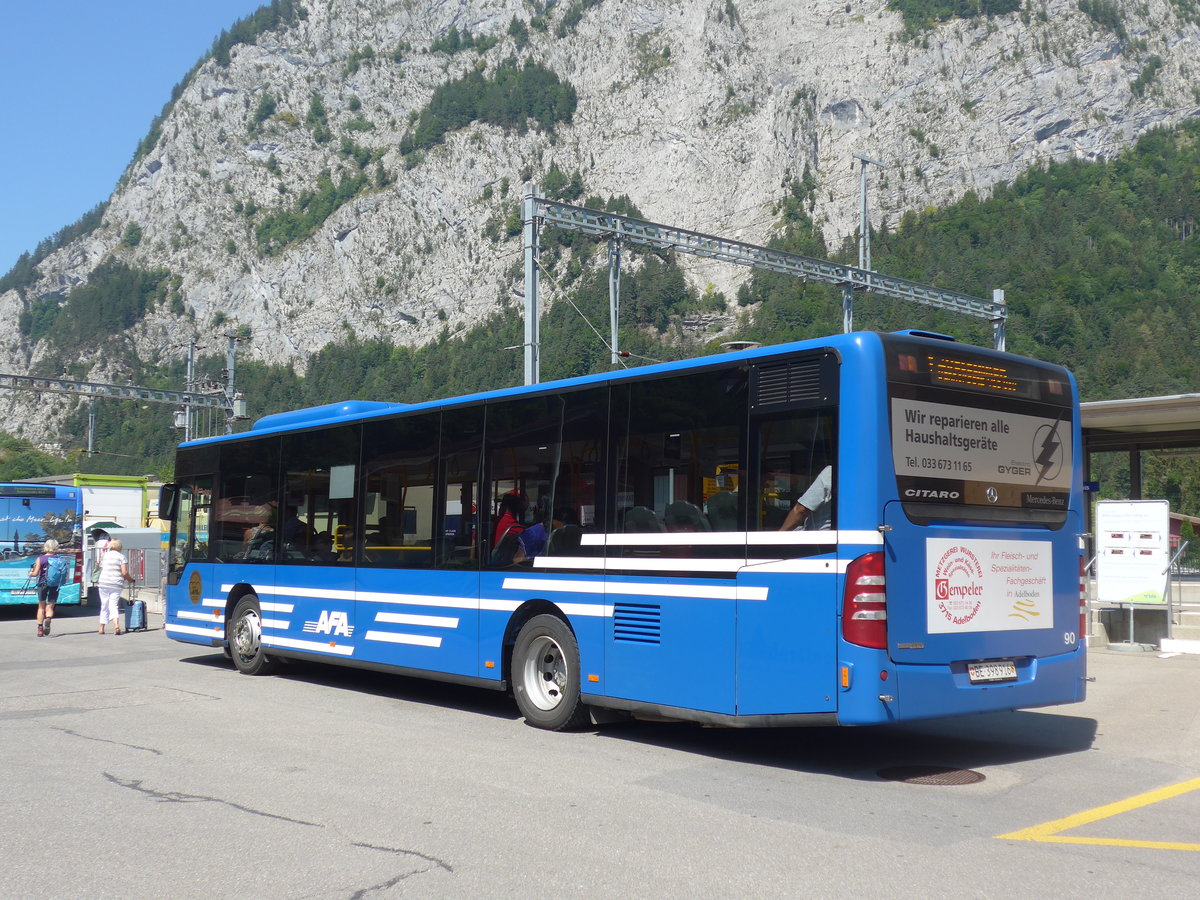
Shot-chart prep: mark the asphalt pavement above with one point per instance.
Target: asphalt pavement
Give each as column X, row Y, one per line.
column 135, row 766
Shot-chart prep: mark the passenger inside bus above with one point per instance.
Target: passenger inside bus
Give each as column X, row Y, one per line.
column 506, row 541
column 814, row 509
column 259, row 540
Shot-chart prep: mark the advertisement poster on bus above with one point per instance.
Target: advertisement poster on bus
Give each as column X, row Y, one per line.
column 954, row 454
column 1132, row 551
column 988, row 585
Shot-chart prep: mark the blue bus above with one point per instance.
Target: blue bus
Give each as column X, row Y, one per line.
column 631, row 542
column 31, row 514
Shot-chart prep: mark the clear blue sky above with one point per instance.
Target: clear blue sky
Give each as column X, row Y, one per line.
column 80, row 82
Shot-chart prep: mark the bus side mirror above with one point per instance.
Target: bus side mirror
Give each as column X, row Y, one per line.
column 168, row 502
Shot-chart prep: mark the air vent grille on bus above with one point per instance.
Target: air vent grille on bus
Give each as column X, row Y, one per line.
column 791, row 382
column 639, row 623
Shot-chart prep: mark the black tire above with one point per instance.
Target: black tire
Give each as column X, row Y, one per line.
column 545, row 675
column 244, row 634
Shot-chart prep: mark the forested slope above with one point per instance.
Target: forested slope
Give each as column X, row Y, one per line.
column 1100, row 263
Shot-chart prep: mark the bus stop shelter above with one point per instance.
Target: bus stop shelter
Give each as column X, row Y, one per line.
column 1165, row 426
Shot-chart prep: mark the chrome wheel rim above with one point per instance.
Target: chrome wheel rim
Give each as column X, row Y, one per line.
column 247, row 635
column 545, row 673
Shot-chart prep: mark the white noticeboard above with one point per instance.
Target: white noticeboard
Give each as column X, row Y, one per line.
column 1133, row 550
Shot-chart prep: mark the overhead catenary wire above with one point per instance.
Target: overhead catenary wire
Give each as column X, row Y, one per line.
column 567, row 297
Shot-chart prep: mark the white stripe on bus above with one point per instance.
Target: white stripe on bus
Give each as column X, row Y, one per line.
column 418, row 600
column 282, row 624
column 390, row 618
column 316, row 646
column 419, row 640
column 641, row 564
column 628, row 588
column 276, row 607
column 731, row 538
column 809, row 566
column 196, row 616
column 191, row 629
column 307, row 593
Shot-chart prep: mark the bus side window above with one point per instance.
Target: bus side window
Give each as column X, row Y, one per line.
column 319, row 492
column 460, row 448
column 544, row 461
column 793, row 450
column 678, row 451
column 245, row 515
column 401, row 464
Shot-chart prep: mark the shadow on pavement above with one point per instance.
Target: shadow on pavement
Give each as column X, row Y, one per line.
column 383, row 684
column 962, row 742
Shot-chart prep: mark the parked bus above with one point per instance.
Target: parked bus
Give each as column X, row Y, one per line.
column 31, row 514
column 617, row 541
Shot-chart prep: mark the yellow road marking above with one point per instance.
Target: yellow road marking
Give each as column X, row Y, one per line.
column 1050, row 832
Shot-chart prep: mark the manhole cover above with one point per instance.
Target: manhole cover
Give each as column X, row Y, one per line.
column 943, row 775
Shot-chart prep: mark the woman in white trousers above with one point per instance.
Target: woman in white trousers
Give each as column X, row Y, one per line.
column 114, row 573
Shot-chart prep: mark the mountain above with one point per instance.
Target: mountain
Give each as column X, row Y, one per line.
column 350, row 170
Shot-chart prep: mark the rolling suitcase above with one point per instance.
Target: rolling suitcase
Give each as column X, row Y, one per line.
column 135, row 613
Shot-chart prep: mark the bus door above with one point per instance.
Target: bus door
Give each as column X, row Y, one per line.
column 195, row 607
column 418, row 587
column 418, row 572
column 987, row 602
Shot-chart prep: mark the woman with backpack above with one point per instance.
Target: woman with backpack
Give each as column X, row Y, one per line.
column 47, row 592
column 114, row 573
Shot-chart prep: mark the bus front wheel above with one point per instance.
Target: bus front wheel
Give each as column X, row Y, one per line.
column 245, row 639
column 545, row 673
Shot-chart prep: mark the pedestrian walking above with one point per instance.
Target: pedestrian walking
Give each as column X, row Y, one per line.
column 114, row 574
column 47, row 593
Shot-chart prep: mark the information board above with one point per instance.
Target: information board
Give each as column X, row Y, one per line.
column 1133, row 551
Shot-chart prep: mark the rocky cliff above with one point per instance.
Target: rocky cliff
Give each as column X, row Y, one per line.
column 701, row 111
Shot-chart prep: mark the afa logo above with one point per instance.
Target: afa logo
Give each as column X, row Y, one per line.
column 337, row 623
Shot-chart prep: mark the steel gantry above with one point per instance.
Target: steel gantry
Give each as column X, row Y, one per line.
column 538, row 211
column 91, row 389
column 232, row 406
column 214, row 397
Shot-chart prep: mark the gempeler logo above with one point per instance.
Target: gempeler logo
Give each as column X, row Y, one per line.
column 958, row 585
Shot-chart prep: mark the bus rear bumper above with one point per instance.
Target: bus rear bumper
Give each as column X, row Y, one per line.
column 934, row 691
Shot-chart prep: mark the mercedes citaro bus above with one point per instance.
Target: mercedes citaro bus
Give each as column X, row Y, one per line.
column 649, row 560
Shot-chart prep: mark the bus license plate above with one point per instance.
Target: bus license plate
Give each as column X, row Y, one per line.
column 991, row 671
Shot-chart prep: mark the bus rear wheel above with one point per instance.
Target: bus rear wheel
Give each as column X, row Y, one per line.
column 545, row 673
column 245, row 639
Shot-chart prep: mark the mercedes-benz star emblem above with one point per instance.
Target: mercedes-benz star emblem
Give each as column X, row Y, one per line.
column 992, row 495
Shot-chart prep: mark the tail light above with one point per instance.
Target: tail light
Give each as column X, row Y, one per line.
column 864, row 606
